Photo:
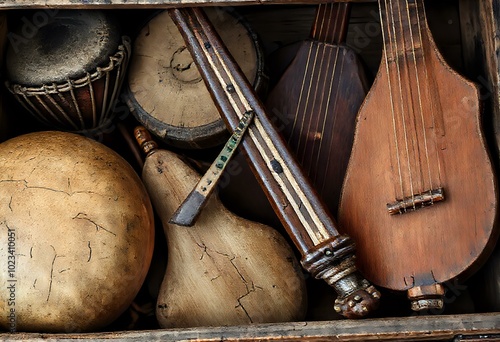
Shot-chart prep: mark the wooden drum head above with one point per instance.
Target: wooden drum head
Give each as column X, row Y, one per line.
column 166, row 92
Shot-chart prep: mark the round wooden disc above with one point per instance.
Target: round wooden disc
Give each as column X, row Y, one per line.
column 165, row 89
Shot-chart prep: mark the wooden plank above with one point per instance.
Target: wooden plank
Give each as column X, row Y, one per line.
column 490, row 27
column 129, row 4
column 414, row 328
column 481, row 338
column 470, row 25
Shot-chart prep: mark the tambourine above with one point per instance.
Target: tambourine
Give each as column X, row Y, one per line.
column 165, row 91
column 69, row 74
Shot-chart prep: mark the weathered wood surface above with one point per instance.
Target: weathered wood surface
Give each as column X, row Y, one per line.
column 415, row 328
column 419, row 169
column 162, row 101
column 237, row 271
column 387, row 329
column 13, row 4
column 490, row 39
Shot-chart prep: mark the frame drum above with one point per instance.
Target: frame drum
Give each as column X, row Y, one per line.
column 167, row 94
column 68, row 75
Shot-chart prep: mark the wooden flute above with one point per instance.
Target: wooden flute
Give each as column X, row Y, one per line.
column 326, row 253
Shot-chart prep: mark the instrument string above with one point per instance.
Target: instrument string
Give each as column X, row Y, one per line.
column 405, row 103
column 343, row 13
column 316, row 134
column 410, row 127
column 420, row 10
column 303, row 83
column 312, row 83
column 305, row 77
column 403, row 130
column 419, row 92
column 389, row 49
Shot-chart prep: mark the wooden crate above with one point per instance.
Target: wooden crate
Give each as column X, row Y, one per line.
column 474, row 51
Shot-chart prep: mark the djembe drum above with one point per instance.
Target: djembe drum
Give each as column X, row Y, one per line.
column 165, row 91
column 68, row 75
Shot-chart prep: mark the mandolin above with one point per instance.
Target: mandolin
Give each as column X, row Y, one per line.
column 419, row 197
column 224, row 270
column 316, row 101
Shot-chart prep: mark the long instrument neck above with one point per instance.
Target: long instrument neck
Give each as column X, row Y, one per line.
column 405, row 31
column 331, row 23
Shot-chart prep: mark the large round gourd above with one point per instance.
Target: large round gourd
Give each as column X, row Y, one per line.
column 76, row 233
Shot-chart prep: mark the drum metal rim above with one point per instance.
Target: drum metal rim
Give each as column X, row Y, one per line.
column 179, row 137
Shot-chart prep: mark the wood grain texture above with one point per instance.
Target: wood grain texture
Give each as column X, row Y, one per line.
column 167, row 93
column 416, row 328
column 490, row 35
column 224, row 270
column 87, row 4
column 436, row 243
column 316, row 101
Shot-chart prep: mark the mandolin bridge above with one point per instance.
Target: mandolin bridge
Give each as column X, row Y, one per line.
column 415, row 202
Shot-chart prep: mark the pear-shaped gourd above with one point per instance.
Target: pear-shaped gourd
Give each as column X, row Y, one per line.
column 76, row 233
column 225, row 270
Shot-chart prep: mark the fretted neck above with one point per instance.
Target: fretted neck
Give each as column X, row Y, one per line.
column 331, row 22
column 404, row 28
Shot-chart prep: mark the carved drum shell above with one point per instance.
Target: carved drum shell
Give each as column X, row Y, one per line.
column 70, row 73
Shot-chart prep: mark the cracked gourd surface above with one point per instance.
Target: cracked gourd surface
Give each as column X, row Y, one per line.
column 224, row 270
column 83, row 233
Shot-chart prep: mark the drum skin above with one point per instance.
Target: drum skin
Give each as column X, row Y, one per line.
column 73, row 43
column 77, row 233
column 70, row 74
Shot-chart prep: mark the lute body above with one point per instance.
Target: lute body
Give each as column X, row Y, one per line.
column 419, row 197
column 316, row 101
